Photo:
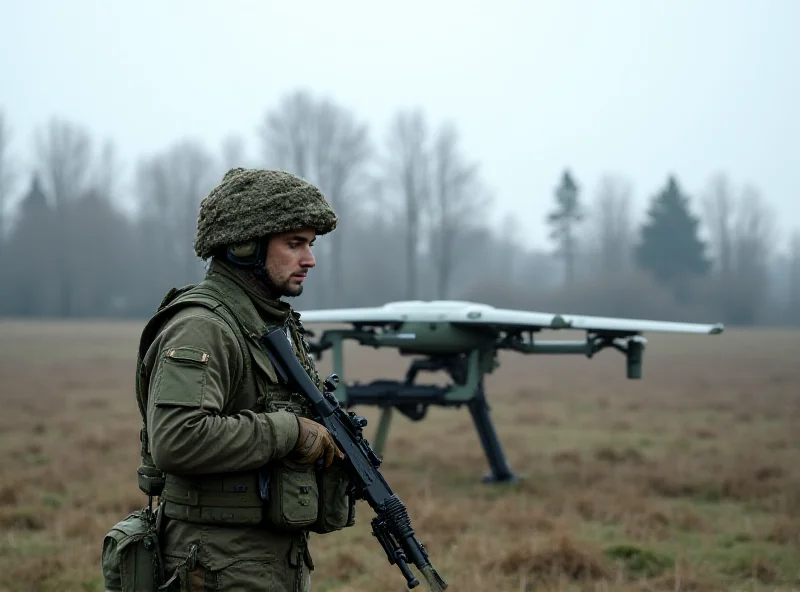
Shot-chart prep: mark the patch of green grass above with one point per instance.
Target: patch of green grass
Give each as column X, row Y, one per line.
column 730, row 550
column 639, row 561
column 53, row 500
column 17, row 544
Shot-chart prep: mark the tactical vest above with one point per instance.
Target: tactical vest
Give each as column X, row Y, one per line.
column 237, row 497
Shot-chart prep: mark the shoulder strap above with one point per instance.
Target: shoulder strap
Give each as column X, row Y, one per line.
column 206, row 295
column 176, row 299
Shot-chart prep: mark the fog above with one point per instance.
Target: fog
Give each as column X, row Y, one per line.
column 621, row 95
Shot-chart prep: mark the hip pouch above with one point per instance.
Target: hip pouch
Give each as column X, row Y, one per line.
column 131, row 558
column 337, row 504
column 291, row 495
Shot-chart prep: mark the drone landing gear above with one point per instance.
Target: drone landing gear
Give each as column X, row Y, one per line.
column 479, row 409
column 413, row 401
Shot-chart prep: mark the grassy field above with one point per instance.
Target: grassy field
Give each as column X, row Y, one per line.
column 688, row 479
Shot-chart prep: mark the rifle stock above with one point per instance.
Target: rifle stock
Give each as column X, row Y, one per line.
column 392, row 524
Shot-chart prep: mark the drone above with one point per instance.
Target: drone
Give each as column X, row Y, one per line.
column 463, row 339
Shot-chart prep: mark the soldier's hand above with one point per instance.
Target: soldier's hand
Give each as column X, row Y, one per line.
column 314, row 441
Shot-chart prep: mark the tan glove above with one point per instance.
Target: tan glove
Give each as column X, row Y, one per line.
column 313, row 442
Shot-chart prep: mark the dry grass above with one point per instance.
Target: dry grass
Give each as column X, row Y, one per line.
column 686, row 480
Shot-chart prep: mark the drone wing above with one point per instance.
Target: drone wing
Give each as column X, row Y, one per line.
column 459, row 312
column 522, row 320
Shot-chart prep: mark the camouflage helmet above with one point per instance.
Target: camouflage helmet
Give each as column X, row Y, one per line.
column 252, row 203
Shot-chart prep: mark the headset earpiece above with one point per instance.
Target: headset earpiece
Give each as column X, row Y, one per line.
column 251, row 255
column 243, row 250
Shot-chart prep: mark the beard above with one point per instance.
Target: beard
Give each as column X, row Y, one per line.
column 279, row 290
column 291, row 293
column 283, row 288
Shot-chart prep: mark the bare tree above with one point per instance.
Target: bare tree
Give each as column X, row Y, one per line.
column 409, row 171
column 342, row 152
column 287, row 134
column 63, row 154
column 7, row 173
column 323, row 142
column 457, row 199
column 794, row 275
column 612, row 233
column 742, row 236
column 64, row 159
column 108, row 173
column 754, row 233
column 170, row 187
column 233, row 152
column 158, row 257
column 719, row 208
column 754, row 236
column 104, row 268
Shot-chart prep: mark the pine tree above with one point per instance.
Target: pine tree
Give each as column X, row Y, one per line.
column 30, row 268
column 669, row 245
column 563, row 219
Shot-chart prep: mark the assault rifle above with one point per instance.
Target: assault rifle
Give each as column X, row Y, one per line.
column 392, row 524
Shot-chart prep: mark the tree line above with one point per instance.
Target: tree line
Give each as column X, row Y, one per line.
column 414, row 211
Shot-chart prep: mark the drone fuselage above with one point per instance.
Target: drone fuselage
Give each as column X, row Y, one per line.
column 436, row 338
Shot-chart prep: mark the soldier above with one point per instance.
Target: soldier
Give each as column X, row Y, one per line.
column 247, row 476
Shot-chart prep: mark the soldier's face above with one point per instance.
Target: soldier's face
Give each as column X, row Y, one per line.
column 289, row 257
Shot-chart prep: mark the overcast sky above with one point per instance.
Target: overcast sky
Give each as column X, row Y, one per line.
column 641, row 88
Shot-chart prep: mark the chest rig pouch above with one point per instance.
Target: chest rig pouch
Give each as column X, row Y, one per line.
column 313, row 497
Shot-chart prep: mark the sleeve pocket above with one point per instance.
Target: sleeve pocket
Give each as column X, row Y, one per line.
column 181, row 377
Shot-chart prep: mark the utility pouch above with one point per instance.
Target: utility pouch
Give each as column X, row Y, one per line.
column 131, row 558
column 151, row 480
column 292, row 496
column 337, row 504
